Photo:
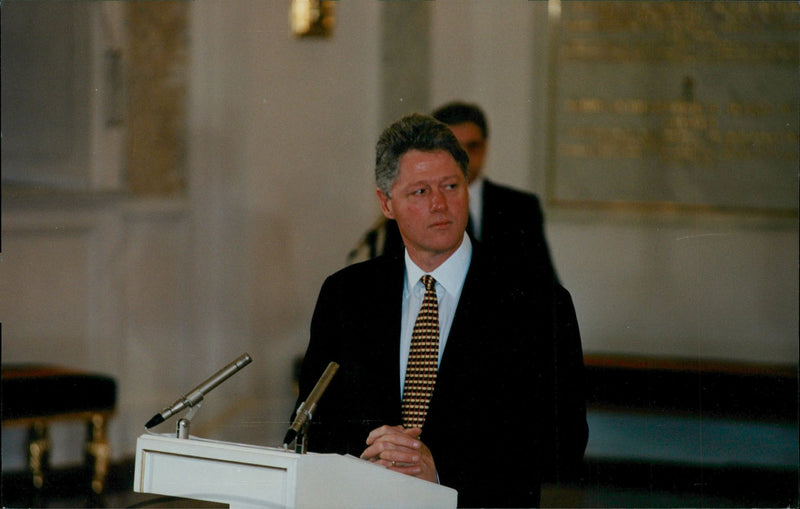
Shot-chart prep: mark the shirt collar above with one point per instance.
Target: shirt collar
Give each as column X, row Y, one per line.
column 450, row 274
column 476, row 206
column 476, row 187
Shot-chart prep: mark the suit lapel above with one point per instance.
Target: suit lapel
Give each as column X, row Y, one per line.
column 458, row 357
column 386, row 313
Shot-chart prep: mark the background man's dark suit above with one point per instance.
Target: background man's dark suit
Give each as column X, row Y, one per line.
column 512, row 226
column 508, row 406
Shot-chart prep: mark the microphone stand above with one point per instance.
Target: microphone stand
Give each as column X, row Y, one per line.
column 300, row 441
column 299, row 428
column 370, row 240
column 185, row 423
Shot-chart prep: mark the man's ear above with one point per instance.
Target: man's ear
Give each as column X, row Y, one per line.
column 386, row 204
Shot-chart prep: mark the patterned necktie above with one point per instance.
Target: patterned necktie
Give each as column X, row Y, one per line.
column 423, row 358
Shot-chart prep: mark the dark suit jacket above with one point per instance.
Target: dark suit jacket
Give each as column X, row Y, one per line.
column 512, row 225
column 508, row 406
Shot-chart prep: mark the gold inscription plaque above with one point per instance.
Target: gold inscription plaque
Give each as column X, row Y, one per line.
column 679, row 103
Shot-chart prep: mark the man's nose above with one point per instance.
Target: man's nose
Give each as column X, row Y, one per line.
column 438, row 201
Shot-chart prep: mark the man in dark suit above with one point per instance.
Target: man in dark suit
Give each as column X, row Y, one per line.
column 504, row 219
column 507, row 407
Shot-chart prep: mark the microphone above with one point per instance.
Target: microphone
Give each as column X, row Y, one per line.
column 310, row 404
column 370, row 239
column 196, row 395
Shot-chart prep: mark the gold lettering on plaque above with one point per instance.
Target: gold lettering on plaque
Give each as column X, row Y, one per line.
column 658, row 31
column 676, row 102
column 685, row 132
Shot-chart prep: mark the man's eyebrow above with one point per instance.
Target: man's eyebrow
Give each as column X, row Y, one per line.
column 430, row 182
column 418, row 183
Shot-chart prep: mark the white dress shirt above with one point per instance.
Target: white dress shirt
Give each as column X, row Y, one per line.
column 476, row 207
column 449, row 277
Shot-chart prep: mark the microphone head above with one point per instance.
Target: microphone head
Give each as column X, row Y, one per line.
column 154, row 421
column 290, row 436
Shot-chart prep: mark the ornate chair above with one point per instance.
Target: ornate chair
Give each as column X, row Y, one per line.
column 37, row 396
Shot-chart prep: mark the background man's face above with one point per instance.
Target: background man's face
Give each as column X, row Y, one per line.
column 472, row 141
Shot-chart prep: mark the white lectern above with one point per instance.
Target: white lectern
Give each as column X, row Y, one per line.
column 247, row 476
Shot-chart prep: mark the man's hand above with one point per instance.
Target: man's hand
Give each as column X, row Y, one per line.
column 400, row 450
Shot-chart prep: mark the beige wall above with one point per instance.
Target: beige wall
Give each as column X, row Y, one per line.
column 163, row 292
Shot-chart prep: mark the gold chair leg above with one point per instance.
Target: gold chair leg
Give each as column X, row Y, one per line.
column 98, row 449
column 38, row 452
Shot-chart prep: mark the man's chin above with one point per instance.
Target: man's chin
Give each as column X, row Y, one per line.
column 448, row 245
